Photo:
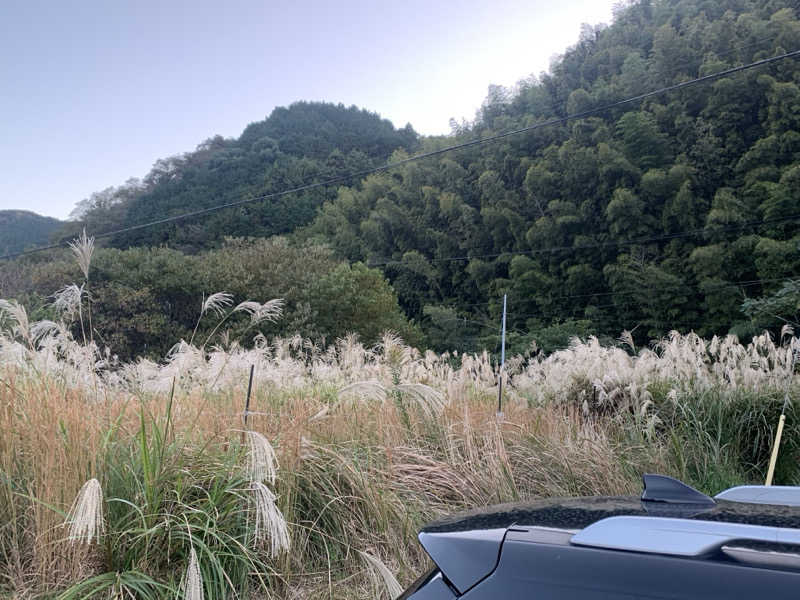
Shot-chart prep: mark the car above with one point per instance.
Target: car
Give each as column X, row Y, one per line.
column 673, row 543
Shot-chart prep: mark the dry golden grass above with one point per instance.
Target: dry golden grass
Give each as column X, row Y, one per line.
column 370, row 442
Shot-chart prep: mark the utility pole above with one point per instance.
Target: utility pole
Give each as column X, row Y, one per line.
column 247, row 401
column 502, row 362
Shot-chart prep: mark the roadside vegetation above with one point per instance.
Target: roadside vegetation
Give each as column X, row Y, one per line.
column 346, row 451
column 649, row 253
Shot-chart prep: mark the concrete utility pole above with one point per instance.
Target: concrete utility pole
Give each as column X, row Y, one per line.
column 502, row 361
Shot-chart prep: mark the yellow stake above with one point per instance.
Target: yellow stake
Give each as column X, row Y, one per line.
column 775, row 447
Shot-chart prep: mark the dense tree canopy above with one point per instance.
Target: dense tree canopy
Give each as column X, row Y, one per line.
column 302, row 144
column 678, row 211
column 144, row 300
column 666, row 214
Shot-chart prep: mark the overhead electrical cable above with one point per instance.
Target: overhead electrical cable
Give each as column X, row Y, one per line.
column 743, row 283
column 713, row 285
column 392, row 165
column 710, row 230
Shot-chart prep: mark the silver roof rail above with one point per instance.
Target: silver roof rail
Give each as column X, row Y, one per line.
column 679, row 537
column 783, row 495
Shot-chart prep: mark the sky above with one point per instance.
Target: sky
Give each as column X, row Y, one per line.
column 95, row 91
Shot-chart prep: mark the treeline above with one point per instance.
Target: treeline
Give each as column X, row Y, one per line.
column 676, row 212
column 142, row 301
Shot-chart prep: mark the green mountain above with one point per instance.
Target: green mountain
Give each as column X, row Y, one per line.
column 667, row 213
column 305, row 143
column 21, row 229
column 677, row 211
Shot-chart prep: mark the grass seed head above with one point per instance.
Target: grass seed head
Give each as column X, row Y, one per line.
column 85, row 518
column 83, row 248
column 193, row 583
column 217, row 303
column 67, row 300
column 268, row 311
column 16, row 313
column 262, row 463
column 270, row 523
column 393, row 587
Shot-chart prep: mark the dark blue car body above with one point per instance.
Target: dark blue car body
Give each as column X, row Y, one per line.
column 672, row 543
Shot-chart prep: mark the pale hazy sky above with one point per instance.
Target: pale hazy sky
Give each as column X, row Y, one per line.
column 94, row 91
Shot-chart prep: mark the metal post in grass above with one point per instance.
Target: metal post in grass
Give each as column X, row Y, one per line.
column 502, row 362
column 247, row 401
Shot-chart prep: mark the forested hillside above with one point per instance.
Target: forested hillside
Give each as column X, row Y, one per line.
column 676, row 212
column 21, row 229
column 666, row 214
column 294, row 146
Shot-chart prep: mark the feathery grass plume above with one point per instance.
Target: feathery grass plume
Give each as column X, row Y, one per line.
column 193, row 581
column 367, row 390
column 393, row 587
column 85, row 518
column 42, row 329
column 431, row 401
column 83, row 248
column 270, row 523
column 626, row 337
column 16, row 313
column 268, row 311
column 217, row 303
column 67, row 300
column 395, row 354
column 262, row 464
column 248, row 306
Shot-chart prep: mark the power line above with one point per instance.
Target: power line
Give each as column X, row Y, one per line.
column 475, row 142
column 713, row 286
column 743, row 283
column 636, row 242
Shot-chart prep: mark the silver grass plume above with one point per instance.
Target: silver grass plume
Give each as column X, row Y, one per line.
column 15, row 312
column 85, row 518
column 428, row 399
column 268, row 311
column 44, row 328
column 270, row 522
column 262, row 463
column 627, row 338
column 83, row 248
column 193, row 582
column 368, row 390
column 217, row 303
column 67, row 300
column 248, row 306
column 392, row 585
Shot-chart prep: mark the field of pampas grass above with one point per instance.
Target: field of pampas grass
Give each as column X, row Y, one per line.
column 144, row 480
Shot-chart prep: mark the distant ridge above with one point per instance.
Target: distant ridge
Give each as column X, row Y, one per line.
column 21, row 229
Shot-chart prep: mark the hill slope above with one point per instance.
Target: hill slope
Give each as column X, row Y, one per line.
column 669, row 213
column 20, row 229
column 300, row 144
column 657, row 215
